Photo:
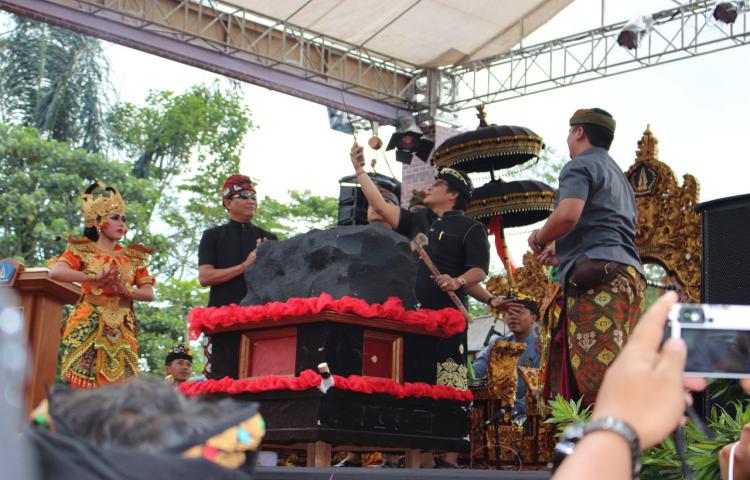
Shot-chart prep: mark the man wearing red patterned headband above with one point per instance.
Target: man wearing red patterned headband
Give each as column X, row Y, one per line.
column 228, row 250
column 591, row 236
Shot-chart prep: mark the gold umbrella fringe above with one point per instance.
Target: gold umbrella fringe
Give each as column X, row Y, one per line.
column 488, row 147
column 511, row 203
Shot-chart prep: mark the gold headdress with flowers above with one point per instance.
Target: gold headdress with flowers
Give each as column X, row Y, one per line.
column 520, row 296
column 96, row 207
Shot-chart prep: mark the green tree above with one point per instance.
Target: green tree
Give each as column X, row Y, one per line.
column 164, row 322
column 302, row 213
column 205, row 126
column 55, row 80
column 546, row 169
column 41, row 181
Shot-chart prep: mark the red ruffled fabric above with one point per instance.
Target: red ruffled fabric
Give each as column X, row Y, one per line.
column 308, row 379
column 447, row 322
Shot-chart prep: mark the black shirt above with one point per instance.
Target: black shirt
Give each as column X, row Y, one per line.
column 456, row 244
column 226, row 246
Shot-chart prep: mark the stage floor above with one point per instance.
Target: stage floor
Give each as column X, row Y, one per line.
column 306, row 473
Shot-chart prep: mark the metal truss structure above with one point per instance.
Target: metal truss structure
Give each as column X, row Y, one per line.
column 276, row 54
column 679, row 33
column 245, row 45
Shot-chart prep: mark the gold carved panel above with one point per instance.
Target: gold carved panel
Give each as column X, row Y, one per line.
column 668, row 229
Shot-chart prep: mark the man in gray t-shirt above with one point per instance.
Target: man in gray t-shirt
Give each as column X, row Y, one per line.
column 591, row 236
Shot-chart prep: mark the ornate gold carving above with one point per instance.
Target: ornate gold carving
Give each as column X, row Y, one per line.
column 668, row 231
column 501, row 371
column 533, row 389
column 452, row 374
column 530, row 278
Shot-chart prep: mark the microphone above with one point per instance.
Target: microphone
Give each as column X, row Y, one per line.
column 495, row 417
column 489, row 335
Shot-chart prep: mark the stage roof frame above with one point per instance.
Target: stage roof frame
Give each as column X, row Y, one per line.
column 361, row 69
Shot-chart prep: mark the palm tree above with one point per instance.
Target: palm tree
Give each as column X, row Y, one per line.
column 56, row 81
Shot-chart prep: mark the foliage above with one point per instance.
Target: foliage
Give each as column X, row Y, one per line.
column 546, row 169
column 165, row 321
column 302, row 213
column 41, row 181
column 566, row 412
column 204, row 124
column 56, row 81
column 662, row 461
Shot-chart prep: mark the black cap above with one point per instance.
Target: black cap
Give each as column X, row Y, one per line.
column 458, row 180
column 178, row 351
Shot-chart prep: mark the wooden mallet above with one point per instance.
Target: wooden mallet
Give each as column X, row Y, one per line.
column 418, row 244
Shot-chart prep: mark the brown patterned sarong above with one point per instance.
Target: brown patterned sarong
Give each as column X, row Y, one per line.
column 599, row 321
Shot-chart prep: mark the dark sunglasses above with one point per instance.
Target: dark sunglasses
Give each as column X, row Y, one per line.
column 246, row 196
column 117, row 216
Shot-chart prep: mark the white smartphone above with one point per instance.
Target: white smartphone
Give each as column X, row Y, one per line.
column 717, row 338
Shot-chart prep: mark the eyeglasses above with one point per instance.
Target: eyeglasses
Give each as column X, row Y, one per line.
column 246, row 196
column 439, row 182
column 116, row 217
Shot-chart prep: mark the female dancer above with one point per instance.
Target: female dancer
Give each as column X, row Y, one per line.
column 99, row 344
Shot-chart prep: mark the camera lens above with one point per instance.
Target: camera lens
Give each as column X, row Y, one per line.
column 691, row 315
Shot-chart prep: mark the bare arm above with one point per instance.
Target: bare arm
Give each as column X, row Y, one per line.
column 389, row 212
column 598, row 452
column 61, row 272
column 143, row 293
column 209, row 275
column 563, row 220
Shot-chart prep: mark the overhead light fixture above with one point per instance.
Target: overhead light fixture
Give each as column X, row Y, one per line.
column 631, row 34
column 409, row 140
column 726, row 12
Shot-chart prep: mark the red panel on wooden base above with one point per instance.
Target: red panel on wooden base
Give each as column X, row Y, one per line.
column 382, row 355
column 268, row 352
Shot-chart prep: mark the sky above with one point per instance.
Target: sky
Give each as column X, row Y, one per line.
column 697, row 108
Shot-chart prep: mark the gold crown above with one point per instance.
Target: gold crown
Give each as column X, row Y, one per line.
column 520, row 296
column 181, row 348
column 96, row 207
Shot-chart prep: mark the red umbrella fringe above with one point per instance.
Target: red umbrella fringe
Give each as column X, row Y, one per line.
column 447, row 322
column 309, row 379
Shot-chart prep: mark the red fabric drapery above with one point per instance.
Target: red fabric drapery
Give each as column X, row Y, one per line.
column 447, row 322
column 309, row 379
column 496, row 228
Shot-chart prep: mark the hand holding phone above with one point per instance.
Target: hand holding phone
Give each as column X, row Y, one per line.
column 717, row 338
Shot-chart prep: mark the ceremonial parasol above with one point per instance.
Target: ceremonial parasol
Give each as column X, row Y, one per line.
column 488, row 148
column 499, row 204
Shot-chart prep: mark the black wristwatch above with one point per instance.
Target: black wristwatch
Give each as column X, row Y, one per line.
column 574, row 433
column 539, row 245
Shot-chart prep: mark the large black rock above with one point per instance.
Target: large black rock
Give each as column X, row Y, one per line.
column 370, row 262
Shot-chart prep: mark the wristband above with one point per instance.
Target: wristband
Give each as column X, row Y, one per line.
column 574, row 433
column 360, row 173
column 539, row 245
